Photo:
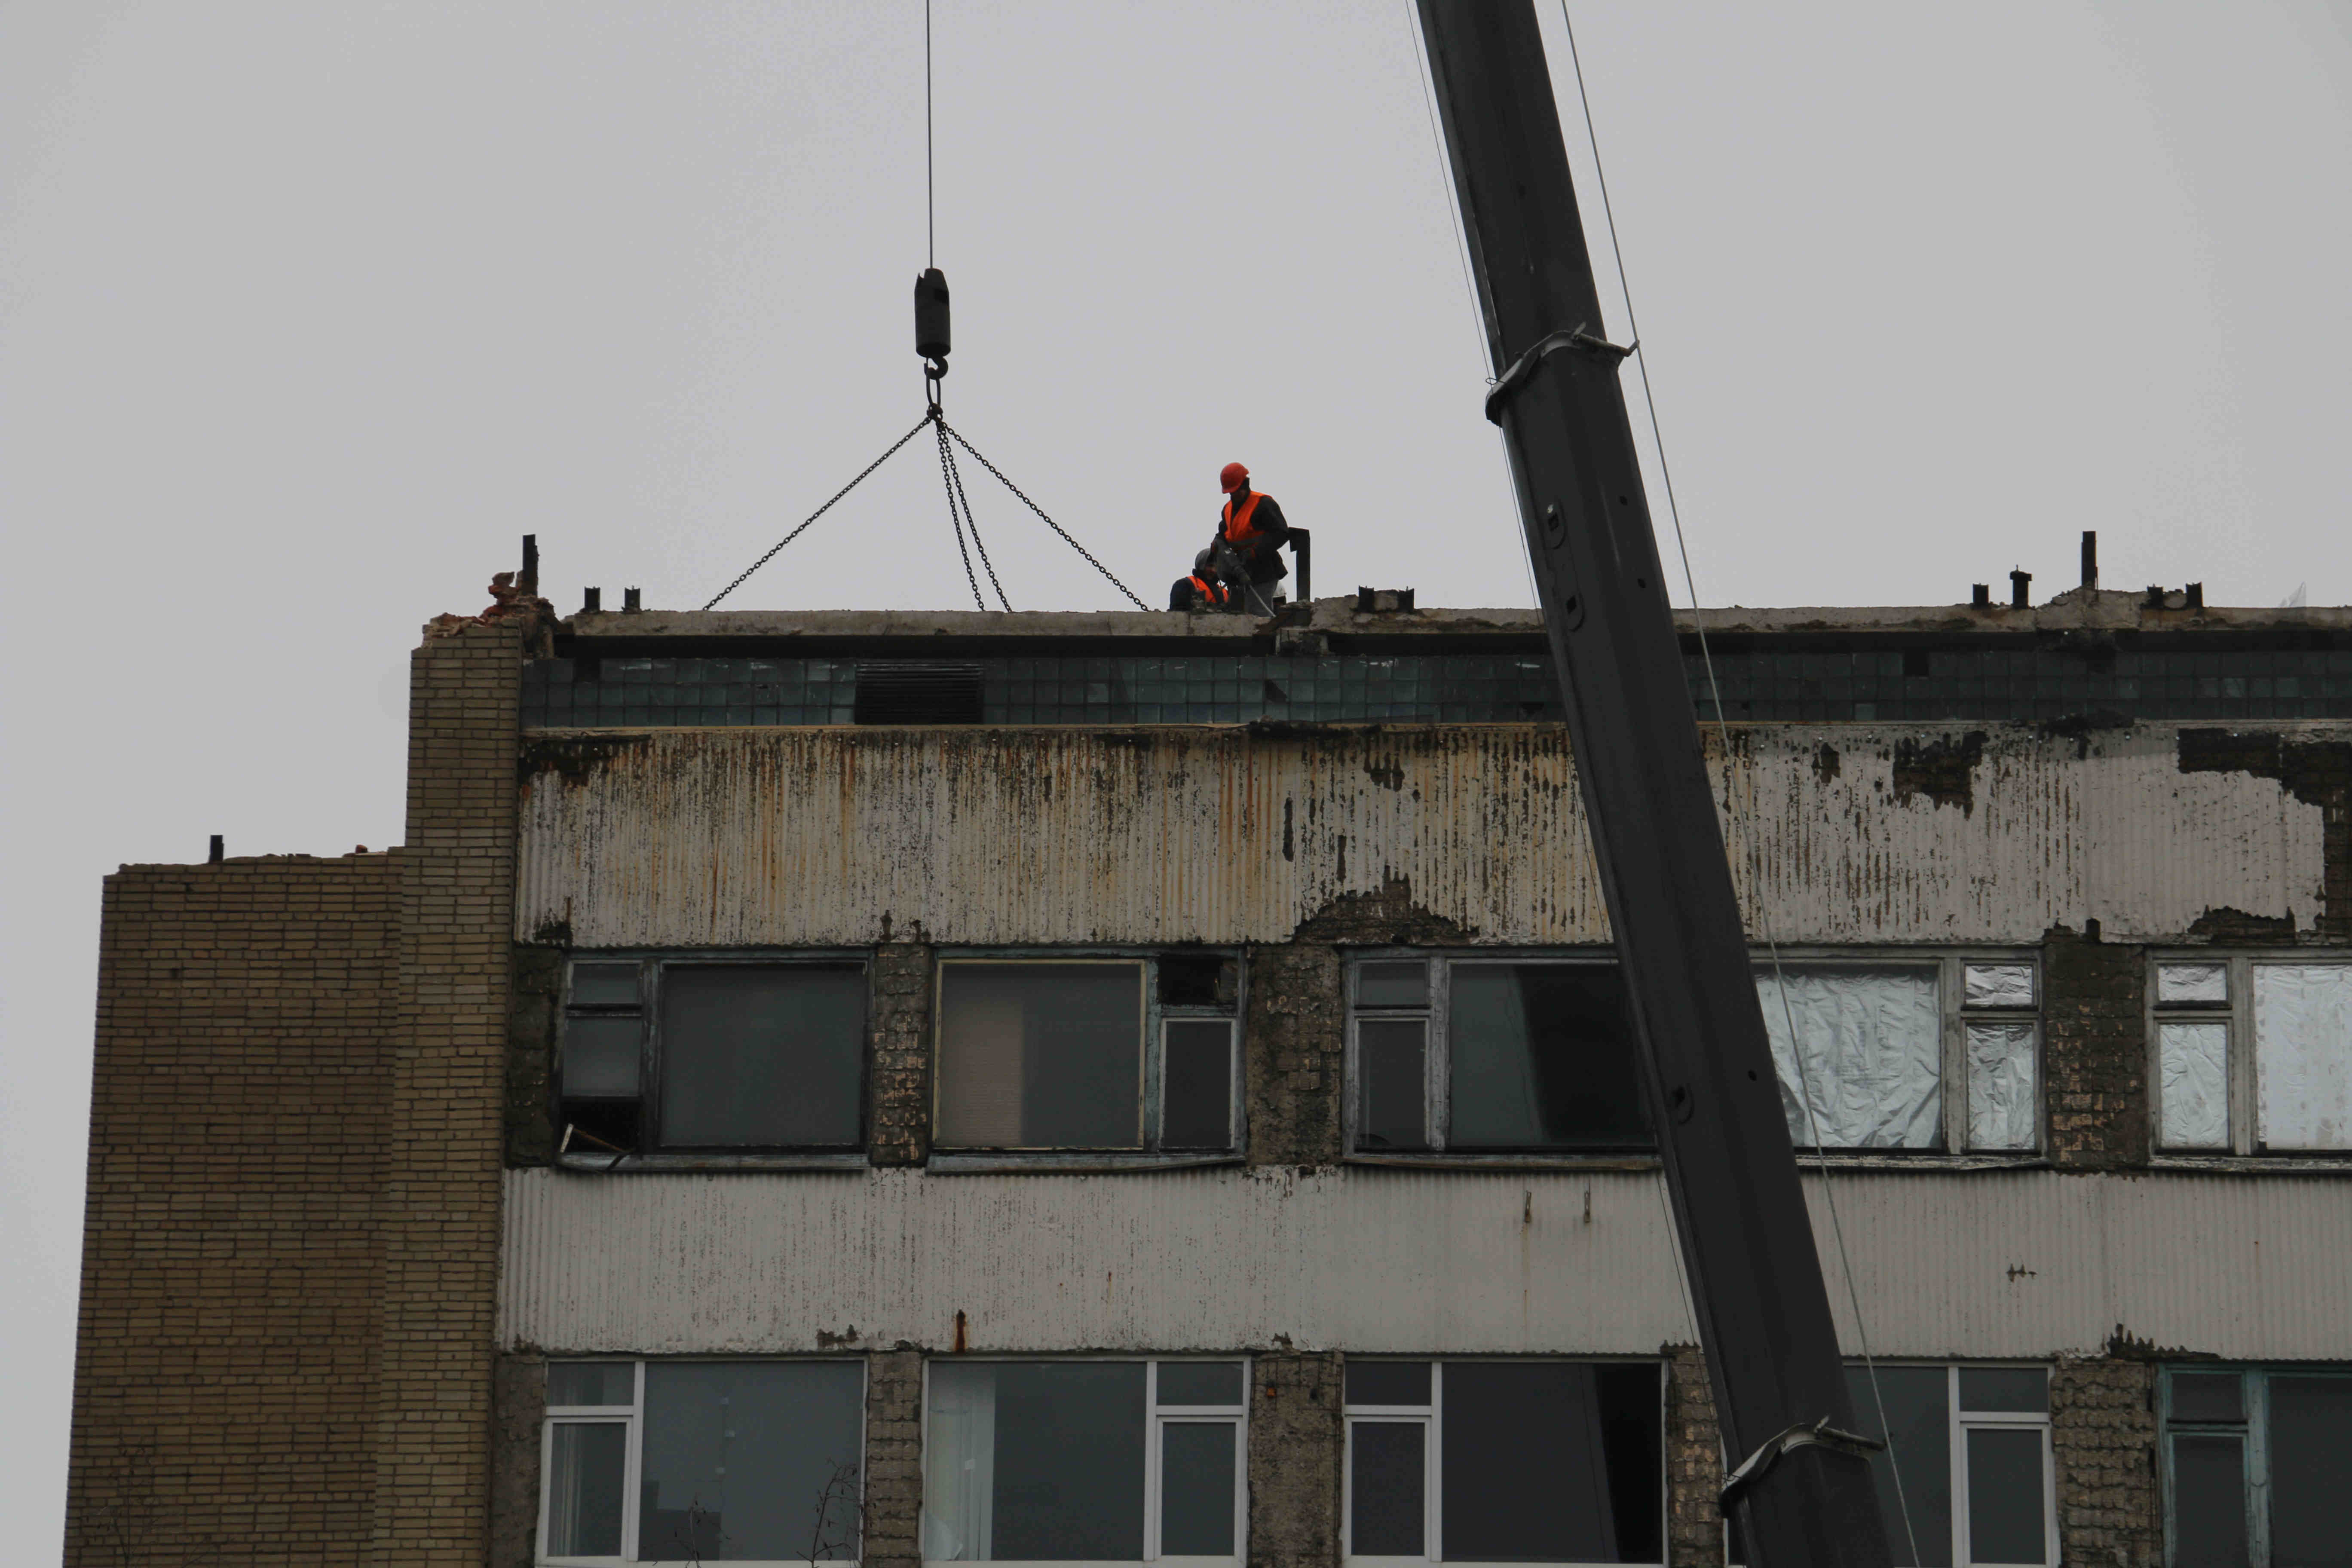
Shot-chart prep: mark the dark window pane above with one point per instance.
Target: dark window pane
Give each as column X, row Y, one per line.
column 1542, row 1057
column 604, row 985
column 760, row 1057
column 1195, row 979
column 1918, row 1416
column 2005, row 1388
column 1196, row 1095
column 1196, row 1489
column 1388, row 1382
column 2209, row 1503
column 2311, row 1462
column 1386, row 1486
column 739, row 1456
column 1200, row 1382
column 583, row 1488
column 591, row 1382
column 2006, row 1505
column 1389, row 1056
column 1402, row 983
column 2208, row 1396
column 1040, row 1056
column 1551, row 1462
column 1069, row 1462
column 599, row 1056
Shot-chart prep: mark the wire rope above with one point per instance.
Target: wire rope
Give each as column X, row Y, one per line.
column 931, row 183
column 1723, row 737
column 956, row 496
column 819, row 512
column 1048, row 522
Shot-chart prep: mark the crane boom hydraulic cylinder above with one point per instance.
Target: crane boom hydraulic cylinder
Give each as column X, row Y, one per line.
column 1801, row 1483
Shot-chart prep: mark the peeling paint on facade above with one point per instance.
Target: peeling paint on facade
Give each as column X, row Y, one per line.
column 2026, row 1263
column 839, row 836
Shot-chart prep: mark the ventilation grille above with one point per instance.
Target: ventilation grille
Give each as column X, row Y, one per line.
column 918, row 694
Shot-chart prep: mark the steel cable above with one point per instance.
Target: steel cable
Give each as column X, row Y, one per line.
column 1048, row 522
column 1723, row 737
column 819, row 512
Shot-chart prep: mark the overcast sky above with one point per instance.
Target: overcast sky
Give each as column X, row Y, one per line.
column 309, row 312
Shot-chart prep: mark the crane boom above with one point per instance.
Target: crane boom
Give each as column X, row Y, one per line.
column 1803, row 1487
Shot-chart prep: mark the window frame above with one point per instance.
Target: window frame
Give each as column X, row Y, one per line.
column 2241, row 1066
column 1149, row 1152
column 2254, row 1395
column 652, row 963
column 1155, row 1418
column 1432, row 1419
column 632, row 1417
column 1957, row 1425
column 1951, row 964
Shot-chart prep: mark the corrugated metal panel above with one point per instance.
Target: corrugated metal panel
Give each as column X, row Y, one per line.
column 817, row 836
column 1964, row 1264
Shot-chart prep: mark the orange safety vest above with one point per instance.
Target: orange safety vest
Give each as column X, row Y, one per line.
column 1216, row 593
column 1239, row 530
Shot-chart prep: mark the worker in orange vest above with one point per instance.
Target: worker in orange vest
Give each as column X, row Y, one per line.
column 1251, row 524
column 1203, row 590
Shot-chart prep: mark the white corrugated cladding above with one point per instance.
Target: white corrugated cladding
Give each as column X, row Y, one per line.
column 821, row 836
column 1961, row 1264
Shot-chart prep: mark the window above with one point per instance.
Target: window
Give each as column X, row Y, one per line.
column 1091, row 1054
column 1971, row 1447
column 2291, row 1092
column 2255, row 1461
column 715, row 1461
column 1505, row 1461
column 1097, row 1461
column 712, row 1056
column 1882, row 1040
column 1490, row 1056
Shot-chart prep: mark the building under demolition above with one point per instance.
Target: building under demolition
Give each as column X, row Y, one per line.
column 1105, row 1087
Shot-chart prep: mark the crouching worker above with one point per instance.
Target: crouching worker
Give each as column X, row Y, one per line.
column 1202, row 590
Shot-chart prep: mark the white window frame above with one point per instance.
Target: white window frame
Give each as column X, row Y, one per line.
column 1958, row 1424
column 1432, row 1419
column 1156, row 1015
column 1951, row 964
column 2242, row 1068
column 1156, row 1419
column 632, row 1415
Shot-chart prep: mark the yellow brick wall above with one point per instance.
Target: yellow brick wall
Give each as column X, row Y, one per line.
column 222, row 1381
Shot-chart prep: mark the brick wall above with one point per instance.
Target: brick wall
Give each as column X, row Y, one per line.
column 1694, row 1462
column 1296, row 1435
column 900, row 1053
column 519, row 1408
column 2103, row 1435
column 2095, row 1052
column 439, row 1206
column 237, row 1111
column 894, row 1459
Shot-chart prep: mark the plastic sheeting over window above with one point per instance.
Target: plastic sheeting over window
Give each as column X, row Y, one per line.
column 2303, row 1055
column 1998, row 985
column 1871, row 1040
column 2191, row 984
column 2195, row 1091
column 2001, row 1102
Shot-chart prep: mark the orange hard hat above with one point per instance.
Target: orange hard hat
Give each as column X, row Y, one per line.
column 1231, row 477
